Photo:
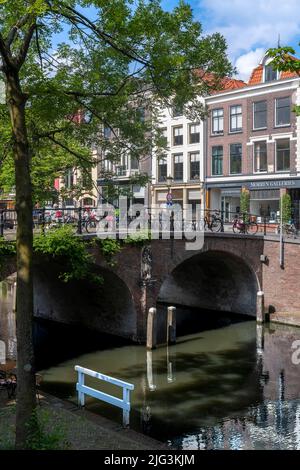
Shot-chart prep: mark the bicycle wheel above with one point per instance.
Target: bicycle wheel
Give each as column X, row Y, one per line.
column 216, row 224
column 251, row 228
column 236, row 229
column 91, row 226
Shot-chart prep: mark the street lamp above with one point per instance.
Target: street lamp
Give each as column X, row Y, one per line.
column 169, row 180
column 202, row 194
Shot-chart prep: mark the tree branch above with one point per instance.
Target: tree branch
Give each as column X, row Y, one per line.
column 14, row 30
column 25, row 46
column 5, row 54
column 79, row 18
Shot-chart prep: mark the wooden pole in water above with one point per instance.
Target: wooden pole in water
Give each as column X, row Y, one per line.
column 260, row 307
column 152, row 329
column 171, row 325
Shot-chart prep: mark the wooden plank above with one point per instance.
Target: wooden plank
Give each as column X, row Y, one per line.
column 106, row 378
column 103, row 396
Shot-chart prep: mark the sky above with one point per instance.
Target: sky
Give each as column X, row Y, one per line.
column 249, row 26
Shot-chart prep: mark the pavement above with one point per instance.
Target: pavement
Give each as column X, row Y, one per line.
column 82, row 430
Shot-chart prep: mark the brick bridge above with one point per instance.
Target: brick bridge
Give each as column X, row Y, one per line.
column 225, row 274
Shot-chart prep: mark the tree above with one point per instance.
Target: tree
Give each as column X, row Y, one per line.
column 284, row 60
column 119, row 56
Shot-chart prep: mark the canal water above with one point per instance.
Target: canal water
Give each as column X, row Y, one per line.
column 233, row 385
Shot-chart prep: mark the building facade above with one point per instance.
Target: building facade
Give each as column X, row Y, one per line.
column 182, row 163
column 253, row 143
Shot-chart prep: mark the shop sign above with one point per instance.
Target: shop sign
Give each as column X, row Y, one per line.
column 273, row 184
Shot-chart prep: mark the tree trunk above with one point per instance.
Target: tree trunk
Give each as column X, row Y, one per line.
column 26, row 397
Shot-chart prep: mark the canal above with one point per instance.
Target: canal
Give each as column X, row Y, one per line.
column 231, row 385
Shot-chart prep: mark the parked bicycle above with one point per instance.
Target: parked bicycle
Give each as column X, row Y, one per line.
column 244, row 224
column 212, row 222
column 288, row 229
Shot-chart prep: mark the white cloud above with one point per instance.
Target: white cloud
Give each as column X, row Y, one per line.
column 250, row 26
column 247, row 62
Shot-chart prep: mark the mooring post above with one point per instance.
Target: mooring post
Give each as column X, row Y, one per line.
column 151, row 329
column 260, row 307
column 150, row 374
column 171, row 325
column 260, row 338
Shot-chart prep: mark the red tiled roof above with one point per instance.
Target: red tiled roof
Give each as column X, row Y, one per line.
column 232, row 84
column 257, row 74
column 225, row 84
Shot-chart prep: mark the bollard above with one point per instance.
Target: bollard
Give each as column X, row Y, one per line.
column 260, row 338
column 260, row 307
column 151, row 329
column 171, row 325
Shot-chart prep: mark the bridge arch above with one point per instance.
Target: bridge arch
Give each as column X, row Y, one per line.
column 107, row 308
column 212, row 280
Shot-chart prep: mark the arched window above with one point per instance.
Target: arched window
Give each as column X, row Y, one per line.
column 270, row 73
column 88, row 201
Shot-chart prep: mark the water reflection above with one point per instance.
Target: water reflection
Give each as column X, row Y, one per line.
column 230, row 388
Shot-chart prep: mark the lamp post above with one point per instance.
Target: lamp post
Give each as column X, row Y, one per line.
column 202, row 198
column 169, row 181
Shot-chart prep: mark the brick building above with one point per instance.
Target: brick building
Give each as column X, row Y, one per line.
column 253, row 143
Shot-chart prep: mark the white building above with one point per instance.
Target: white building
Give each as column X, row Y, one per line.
column 183, row 160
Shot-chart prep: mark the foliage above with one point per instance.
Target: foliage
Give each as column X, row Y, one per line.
column 138, row 238
column 245, row 201
column 286, row 207
column 39, row 436
column 63, row 246
column 284, row 60
column 109, row 247
column 111, row 72
column 7, row 247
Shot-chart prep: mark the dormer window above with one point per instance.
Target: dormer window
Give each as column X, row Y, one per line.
column 270, row 73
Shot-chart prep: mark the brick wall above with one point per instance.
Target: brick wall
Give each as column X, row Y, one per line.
column 282, row 286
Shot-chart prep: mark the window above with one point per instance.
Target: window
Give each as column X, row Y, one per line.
column 162, row 169
column 177, row 110
column 283, row 111
column 283, row 155
column 69, row 178
column 134, row 163
column 88, row 201
column 107, row 132
column 178, row 167
column 235, row 118
column 270, row 73
column 86, row 178
column 194, row 166
column 260, row 156
column 259, row 115
column 218, row 121
column 235, row 159
column 177, row 135
column 140, row 114
column 217, row 160
column 194, row 133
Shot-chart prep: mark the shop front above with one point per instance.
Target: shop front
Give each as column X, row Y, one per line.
column 264, row 198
